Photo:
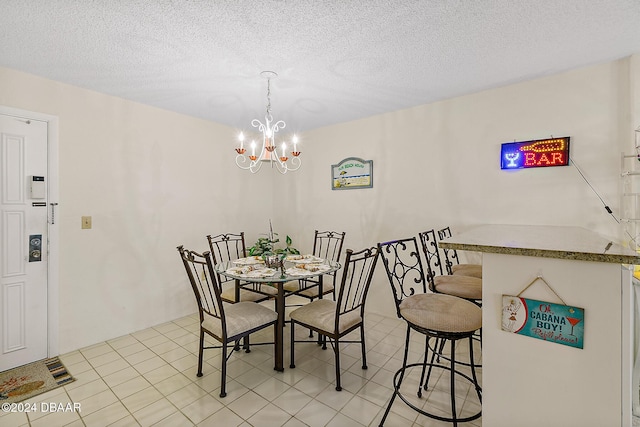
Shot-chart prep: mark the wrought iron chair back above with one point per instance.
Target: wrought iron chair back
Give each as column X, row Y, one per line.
column 404, row 270
column 226, row 247
column 356, row 280
column 450, row 255
column 199, row 268
column 328, row 244
column 431, row 253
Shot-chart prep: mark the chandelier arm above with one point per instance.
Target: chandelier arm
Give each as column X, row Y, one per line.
column 241, row 160
column 255, row 166
column 295, row 164
column 278, row 125
column 258, row 124
column 279, row 165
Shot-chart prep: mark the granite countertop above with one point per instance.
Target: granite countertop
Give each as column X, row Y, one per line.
column 573, row 243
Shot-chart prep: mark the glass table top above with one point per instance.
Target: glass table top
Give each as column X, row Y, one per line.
column 256, row 271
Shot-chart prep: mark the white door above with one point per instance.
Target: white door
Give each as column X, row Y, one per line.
column 23, row 239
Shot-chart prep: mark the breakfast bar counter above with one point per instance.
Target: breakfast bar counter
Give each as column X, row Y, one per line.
column 533, row 382
column 572, row 243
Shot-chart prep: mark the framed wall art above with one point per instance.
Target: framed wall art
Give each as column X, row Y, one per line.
column 352, row 173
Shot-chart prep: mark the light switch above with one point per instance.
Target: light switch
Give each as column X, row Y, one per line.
column 86, row 222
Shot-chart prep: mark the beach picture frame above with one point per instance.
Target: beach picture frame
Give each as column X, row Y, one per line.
column 352, row 173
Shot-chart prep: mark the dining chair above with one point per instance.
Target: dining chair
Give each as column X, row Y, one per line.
column 442, row 317
column 452, row 262
column 229, row 247
column 467, row 287
column 333, row 320
column 326, row 245
column 226, row 323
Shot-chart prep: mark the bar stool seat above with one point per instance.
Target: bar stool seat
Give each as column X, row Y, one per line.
column 473, row 270
column 466, row 287
column 452, row 262
column 440, row 313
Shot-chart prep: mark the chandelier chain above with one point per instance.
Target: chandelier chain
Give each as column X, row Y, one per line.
column 269, row 98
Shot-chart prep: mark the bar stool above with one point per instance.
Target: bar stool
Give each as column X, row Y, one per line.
column 459, row 285
column 440, row 316
column 463, row 283
column 452, row 262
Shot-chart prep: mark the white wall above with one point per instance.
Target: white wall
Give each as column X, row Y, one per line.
column 153, row 179
column 439, row 164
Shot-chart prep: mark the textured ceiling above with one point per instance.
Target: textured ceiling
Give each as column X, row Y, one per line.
column 337, row 60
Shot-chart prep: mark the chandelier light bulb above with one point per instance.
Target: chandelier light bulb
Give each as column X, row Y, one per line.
column 295, row 151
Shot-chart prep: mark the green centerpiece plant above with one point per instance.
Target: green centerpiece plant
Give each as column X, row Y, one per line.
column 266, row 246
column 273, row 257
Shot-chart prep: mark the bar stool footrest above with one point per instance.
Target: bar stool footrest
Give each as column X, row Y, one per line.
column 397, row 382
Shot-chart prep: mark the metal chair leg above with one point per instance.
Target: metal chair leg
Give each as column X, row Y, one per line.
column 452, row 386
column 431, row 363
column 200, row 351
column 473, row 369
column 362, row 345
column 223, row 380
column 293, row 340
column 424, row 368
column 336, row 350
column 396, row 388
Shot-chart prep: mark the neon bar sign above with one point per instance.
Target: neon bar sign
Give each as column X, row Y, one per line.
column 535, row 154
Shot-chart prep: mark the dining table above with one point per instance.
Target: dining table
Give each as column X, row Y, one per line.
column 253, row 270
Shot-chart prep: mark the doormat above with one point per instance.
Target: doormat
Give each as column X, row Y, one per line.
column 30, row 380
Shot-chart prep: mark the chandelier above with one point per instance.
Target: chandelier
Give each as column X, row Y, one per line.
column 268, row 151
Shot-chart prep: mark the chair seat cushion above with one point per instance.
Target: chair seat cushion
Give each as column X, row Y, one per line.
column 321, row 314
column 311, row 291
column 460, row 286
column 473, row 270
column 229, row 294
column 292, row 286
column 442, row 313
column 240, row 318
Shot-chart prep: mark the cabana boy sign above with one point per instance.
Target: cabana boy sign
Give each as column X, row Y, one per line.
column 557, row 323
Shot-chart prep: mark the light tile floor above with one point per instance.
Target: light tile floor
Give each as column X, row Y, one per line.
column 148, row 378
